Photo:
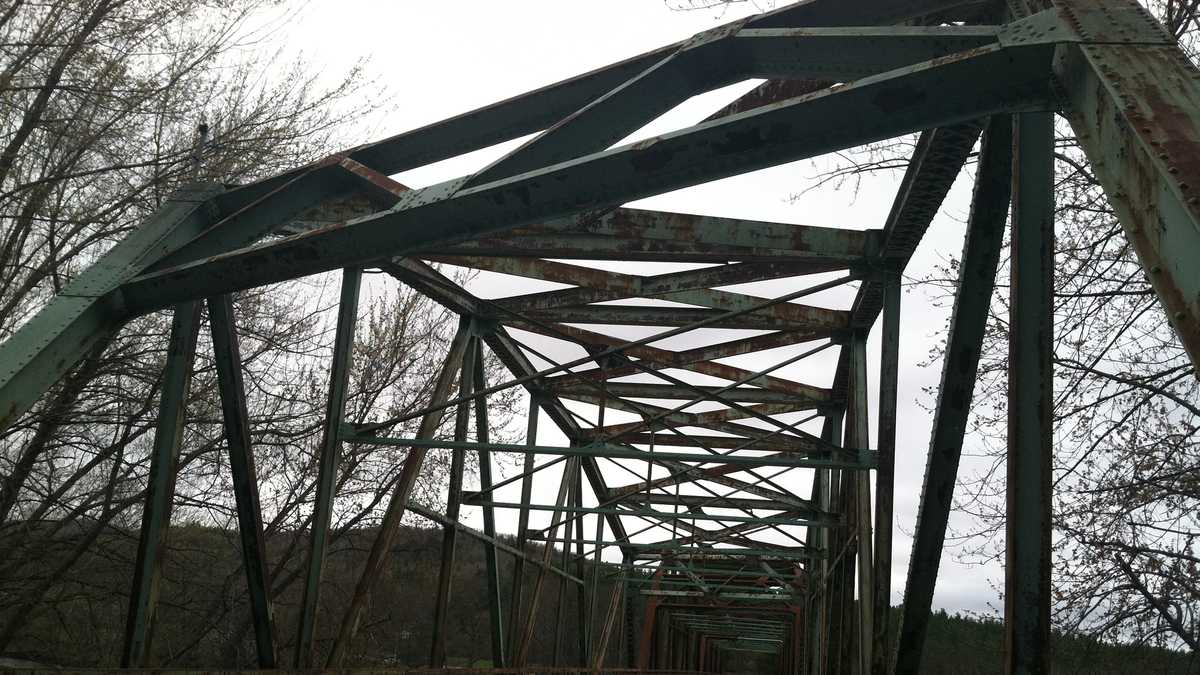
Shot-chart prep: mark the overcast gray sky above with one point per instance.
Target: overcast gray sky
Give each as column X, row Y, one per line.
column 441, row 58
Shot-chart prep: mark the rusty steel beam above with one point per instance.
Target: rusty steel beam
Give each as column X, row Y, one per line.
column 1134, row 104
column 424, row 279
column 675, row 392
column 1131, row 97
column 798, row 129
column 664, row 358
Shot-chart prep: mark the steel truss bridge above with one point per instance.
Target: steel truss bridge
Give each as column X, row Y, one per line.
column 696, row 494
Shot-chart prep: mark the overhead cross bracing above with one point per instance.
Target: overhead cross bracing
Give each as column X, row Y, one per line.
column 749, row 508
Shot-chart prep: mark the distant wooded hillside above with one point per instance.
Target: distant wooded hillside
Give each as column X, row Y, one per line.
column 204, row 619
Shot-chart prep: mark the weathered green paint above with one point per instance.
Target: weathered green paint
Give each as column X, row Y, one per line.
column 327, row 463
column 160, row 492
column 236, row 418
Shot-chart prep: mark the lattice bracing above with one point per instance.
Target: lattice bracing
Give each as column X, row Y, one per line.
column 747, row 507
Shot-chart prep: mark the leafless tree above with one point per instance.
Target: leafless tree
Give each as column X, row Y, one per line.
column 99, row 105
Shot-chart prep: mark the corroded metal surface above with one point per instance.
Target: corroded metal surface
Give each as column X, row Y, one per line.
column 686, row 399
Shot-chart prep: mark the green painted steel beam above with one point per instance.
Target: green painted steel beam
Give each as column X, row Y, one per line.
column 793, row 243
column 566, row 245
column 160, row 490
column 669, row 418
column 835, row 13
column 652, row 552
column 612, row 286
column 87, row 312
column 658, row 550
column 766, row 597
column 690, row 501
column 1134, row 104
column 1028, row 545
column 841, row 54
column 977, row 278
column 428, row 281
column 236, row 421
column 662, row 515
column 708, row 590
column 328, row 460
column 682, row 316
column 862, row 460
column 694, row 440
column 714, row 571
column 675, row 392
column 983, row 82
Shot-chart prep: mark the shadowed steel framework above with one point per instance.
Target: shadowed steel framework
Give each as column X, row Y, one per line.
column 690, row 463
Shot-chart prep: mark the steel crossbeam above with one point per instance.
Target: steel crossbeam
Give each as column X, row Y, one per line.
column 802, row 577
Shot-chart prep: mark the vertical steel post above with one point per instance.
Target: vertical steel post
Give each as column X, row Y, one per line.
column 160, row 492
column 568, row 531
column 800, row 646
column 495, row 608
column 968, row 320
column 627, row 611
column 462, row 421
column 647, row 647
column 227, row 355
column 1030, row 407
column 889, row 369
column 399, row 501
column 594, row 589
column 328, row 460
column 514, row 605
column 521, row 653
column 581, row 599
column 858, row 437
column 610, row 620
column 827, row 601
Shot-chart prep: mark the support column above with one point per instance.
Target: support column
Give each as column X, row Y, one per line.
column 514, row 606
column 594, row 590
column 610, row 621
column 399, row 501
column 495, row 608
column 564, row 560
column 227, row 355
column 437, row 655
column 521, row 654
column 889, row 369
column 160, row 493
column 858, row 437
column 581, row 598
column 968, row 320
column 628, row 618
column 826, row 601
column 647, row 647
column 328, row 460
column 1030, row 405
